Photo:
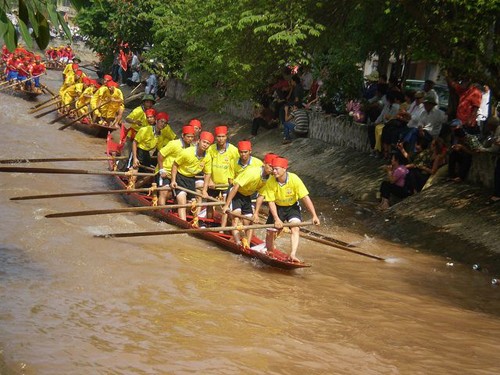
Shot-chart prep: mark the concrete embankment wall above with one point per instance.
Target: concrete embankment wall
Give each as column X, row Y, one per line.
column 336, row 130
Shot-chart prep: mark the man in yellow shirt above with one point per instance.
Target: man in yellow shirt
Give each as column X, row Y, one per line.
column 166, row 157
column 245, row 160
column 189, row 163
column 166, row 134
column 196, row 124
column 282, row 192
column 144, row 142
column 250, row 181
column 112, row 110
column 222, row 156
column 98, row 98
column 83, row 102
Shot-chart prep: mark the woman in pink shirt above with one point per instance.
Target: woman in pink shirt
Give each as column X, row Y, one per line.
column 395, row 183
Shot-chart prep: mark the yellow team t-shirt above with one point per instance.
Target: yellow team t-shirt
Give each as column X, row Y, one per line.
column 220, row 164
column 115, row 103
column 170, row 152
column 237, row 167
column 250, row 180
column 146, row 138
column 138, row 114
column 286, row 194
column 189, row 164
column 166, row 135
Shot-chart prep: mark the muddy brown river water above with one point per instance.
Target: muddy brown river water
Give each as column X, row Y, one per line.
column 74, row 304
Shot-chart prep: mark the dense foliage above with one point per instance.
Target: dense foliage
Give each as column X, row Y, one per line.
column 234, row 48
column 36, row 14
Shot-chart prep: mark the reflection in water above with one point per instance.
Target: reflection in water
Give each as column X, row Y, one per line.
column 76, row 304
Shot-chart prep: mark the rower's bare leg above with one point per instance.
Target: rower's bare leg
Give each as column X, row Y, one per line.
column 236, row 233
column 294, row 239
column 270, row 237
column 181, row 199
column 163, row 197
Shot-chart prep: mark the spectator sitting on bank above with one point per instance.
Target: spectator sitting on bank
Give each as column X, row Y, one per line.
column 493, row 127
column 460, row 159
column 263, row 116
column 424, row 163
column 429, row 124
column 306, row 79
column 372, row 110
column 429, row 90
column 371, row 85
column 301, row 120
column 389, row 112
column 288, row 124
column 396, row 181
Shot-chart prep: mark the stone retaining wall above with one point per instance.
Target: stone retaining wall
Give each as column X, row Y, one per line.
column 336, row 130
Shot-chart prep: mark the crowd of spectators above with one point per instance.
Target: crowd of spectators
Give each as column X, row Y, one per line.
column 408, row 128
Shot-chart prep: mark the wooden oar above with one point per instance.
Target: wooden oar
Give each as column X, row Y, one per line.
column 21, row 82
column 43, row 103
column 325, row 237
column 345, row 248
column 67, row 114
column 44, row 87
column 69, row 171
column 50, row 103
column 79, row 118
column 135, row 88
column 126, row 209
column 21, row 161
column 84, row 193
column 54, row 109
column 199, row 230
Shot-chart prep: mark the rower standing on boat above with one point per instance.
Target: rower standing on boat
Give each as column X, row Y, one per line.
column 245, row 160
column 133, row 122
column 282, row 192
column 145, row 141
column 83, row 101
column 196, row 124
column 187, row 166
column 166, row 133
column 222, row 156
column 166, row 157
column 98, row 97
column 112, row 111
column 239, row 200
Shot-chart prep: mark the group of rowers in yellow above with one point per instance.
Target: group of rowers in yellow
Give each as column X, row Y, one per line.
column 83, row 98
column 208, row 162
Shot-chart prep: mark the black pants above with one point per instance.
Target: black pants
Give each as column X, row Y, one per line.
column 386, row 189
column 459, row 164
column 257, row 123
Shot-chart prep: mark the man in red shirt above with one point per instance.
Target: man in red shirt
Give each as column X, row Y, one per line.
column 469, row 101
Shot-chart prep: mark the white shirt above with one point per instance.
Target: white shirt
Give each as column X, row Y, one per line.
column 415, row 112
column 432, row 121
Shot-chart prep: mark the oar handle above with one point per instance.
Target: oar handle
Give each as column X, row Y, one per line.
column 70, row 171
column 200, row 230
column 79, row 118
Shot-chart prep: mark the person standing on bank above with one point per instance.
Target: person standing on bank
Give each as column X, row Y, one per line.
column 282, row 192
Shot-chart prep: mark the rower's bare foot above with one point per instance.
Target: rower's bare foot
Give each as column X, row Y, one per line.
column 294, row 259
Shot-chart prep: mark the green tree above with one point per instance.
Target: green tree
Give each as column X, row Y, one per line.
column 37, row 14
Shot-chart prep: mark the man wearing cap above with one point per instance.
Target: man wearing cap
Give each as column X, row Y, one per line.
column 145, row 141
column 429, row 123
column 222, row 155
column 187, row 166
column 83, row 102
column 282, row 192
column 196, row 124
column 250, row 181
column 112, row 110
column 133, row 122
column 166, row 157
column 245, row 160
column 99, row 95
column 166, row 133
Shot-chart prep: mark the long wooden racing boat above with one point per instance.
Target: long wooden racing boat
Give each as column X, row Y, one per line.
column 256, row 250
column 93, row 129
column 19, row 92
